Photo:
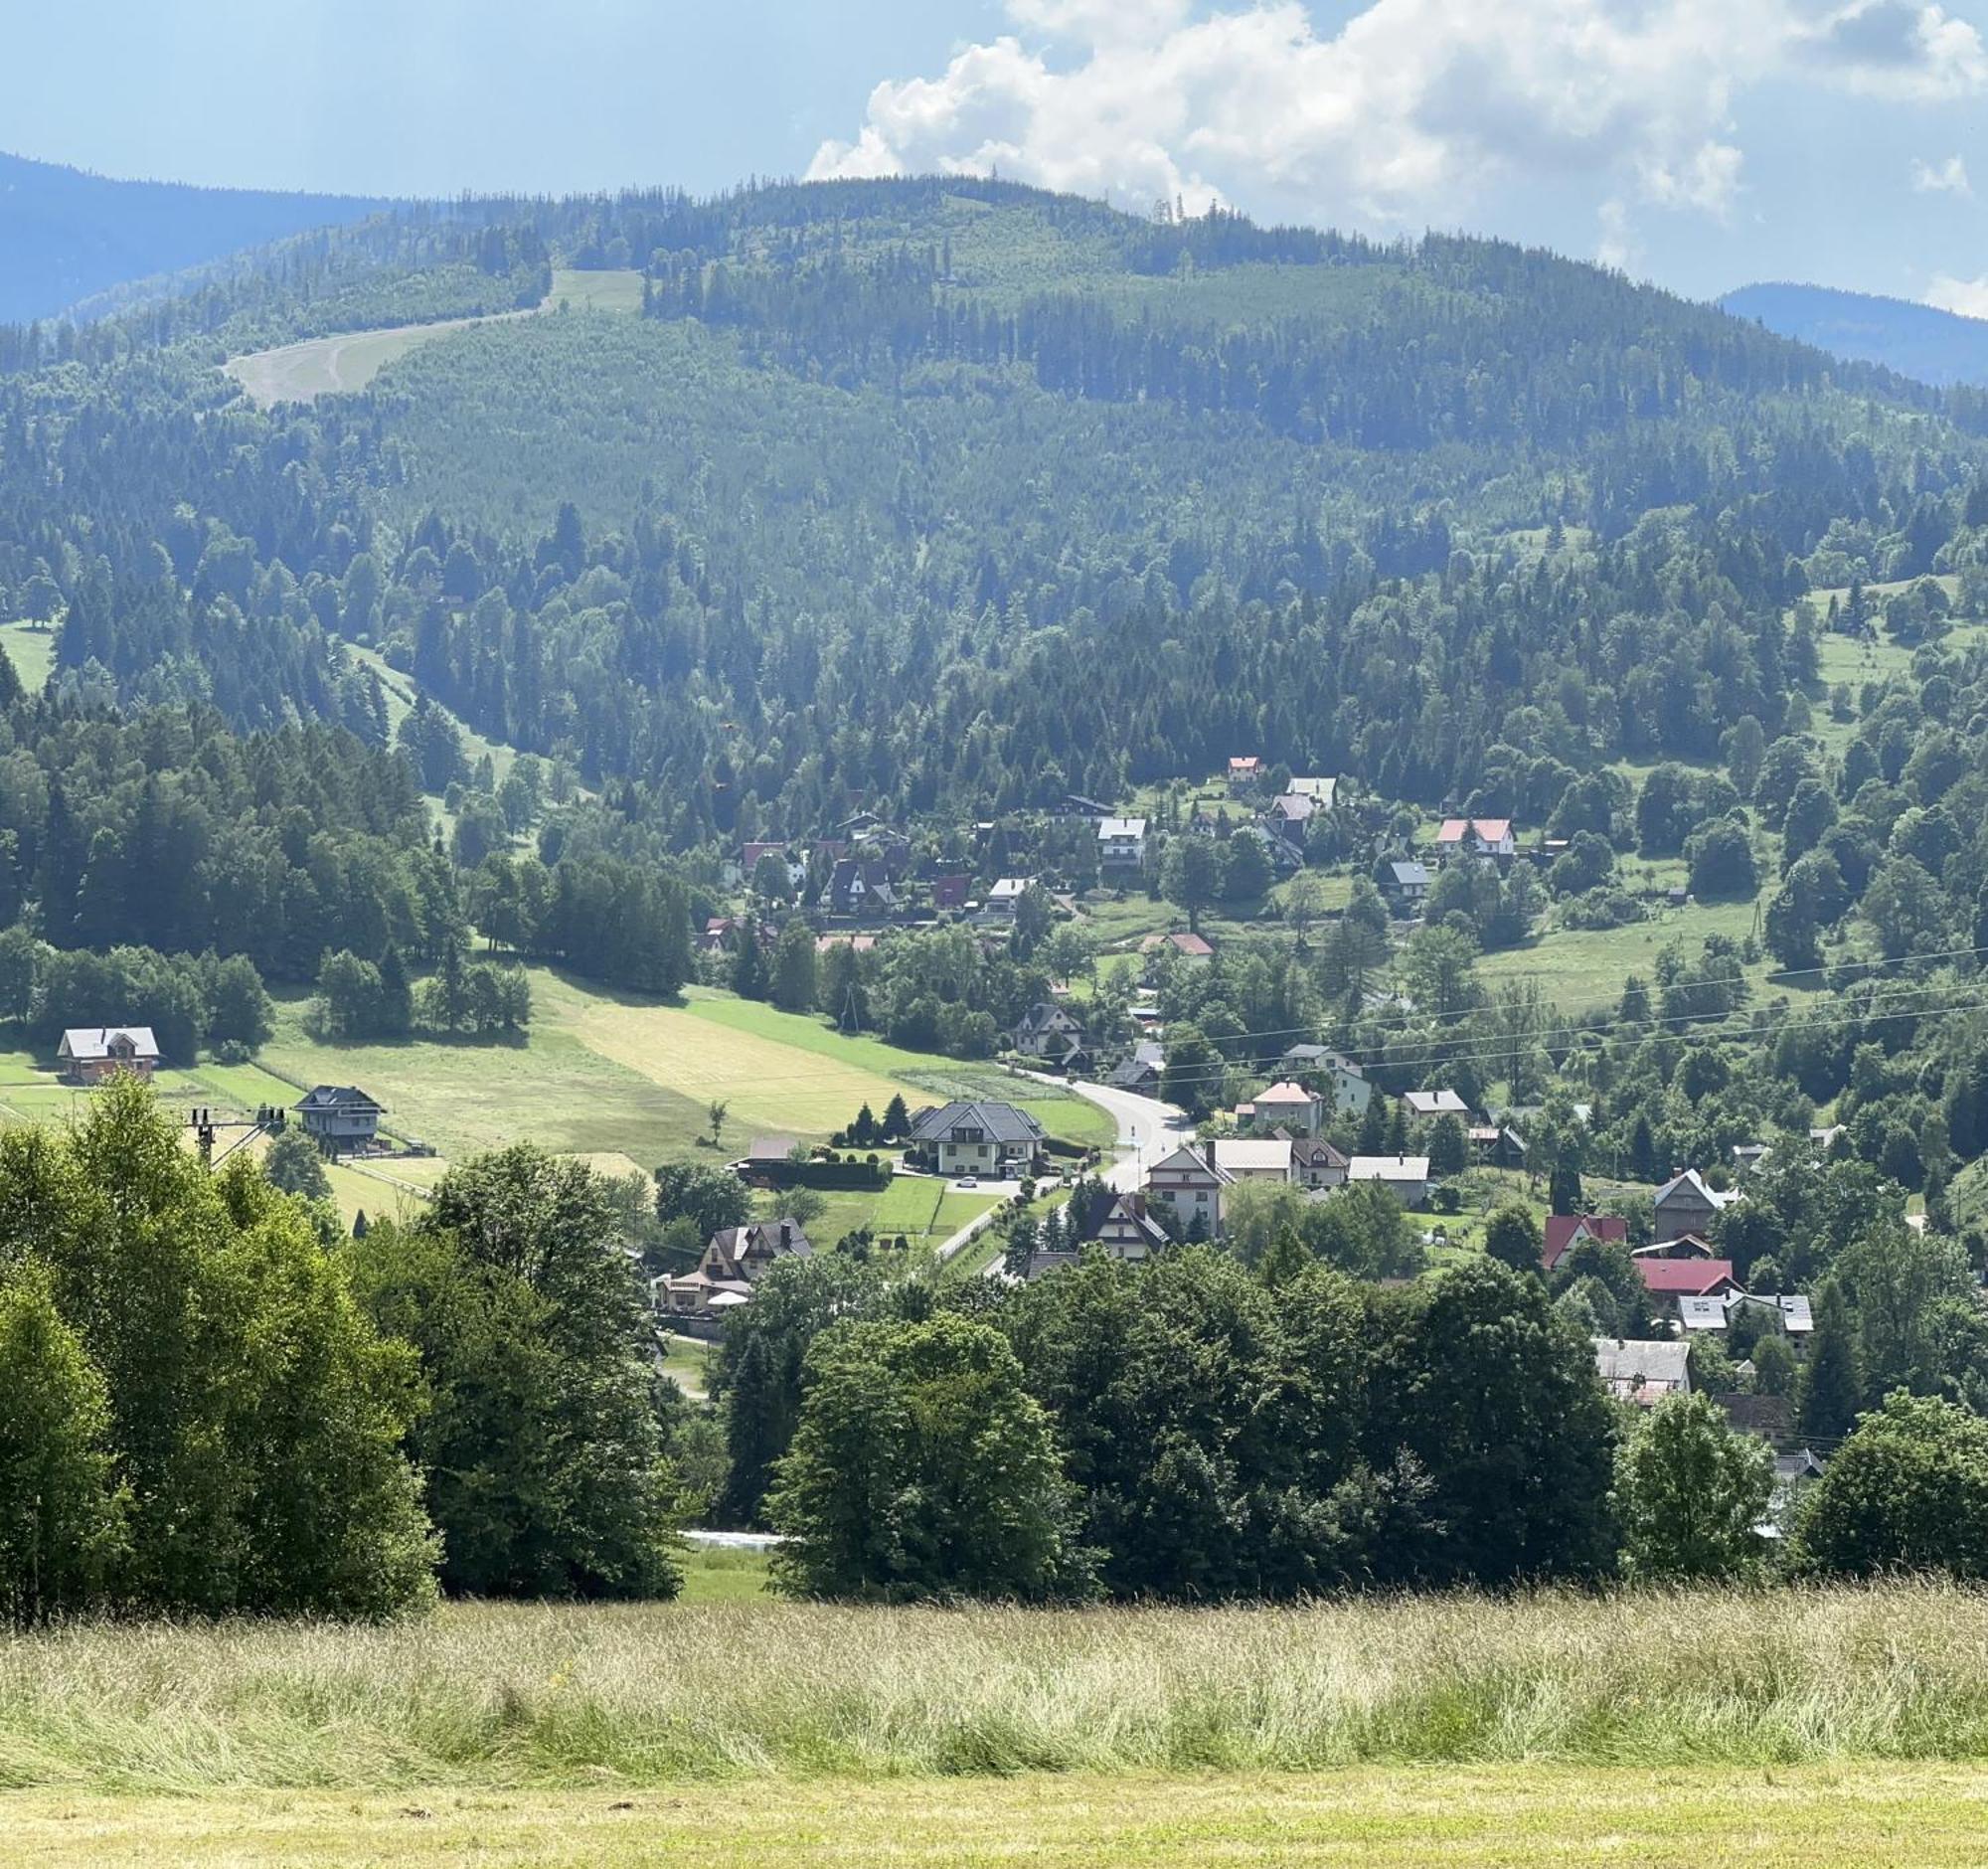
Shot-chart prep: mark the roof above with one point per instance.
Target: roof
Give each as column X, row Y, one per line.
column 1563, row 1229
column 1107, row 1207
column 1681, row 1278
column 1771, row 1417
column 1295, row 805
column 1409, row 875
column 1637, row 1362
column 1188, row 1159
column 1691, row 1180
column 91, row 1042
column 1242, row 1155
column 1111, row 827
column 1195, row 946
column 1716, row 1312
column 1320, row 791
column 1316, row 1151
column 1007, row 887
column 344, row 1096
column 1002, row 1123
column 1388, row 1168
column 1435, row 1102
column 784, row 1235
column 1485, row 830
column 1245, row 762
column 769, row 1148
column 1284, row 1094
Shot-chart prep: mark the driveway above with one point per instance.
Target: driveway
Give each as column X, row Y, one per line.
column 1147, row 1128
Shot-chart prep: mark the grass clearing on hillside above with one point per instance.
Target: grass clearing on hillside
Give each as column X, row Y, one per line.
column 611, row 288
column 488, row 1696
column 1692, row 1817
column 31, row 648
column 1582, row 969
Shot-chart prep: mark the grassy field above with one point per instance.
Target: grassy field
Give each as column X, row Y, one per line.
column 1579, row 969
column 1687, row 1729
column 32, row 650
column 1695, row 1817
column 610, row 1074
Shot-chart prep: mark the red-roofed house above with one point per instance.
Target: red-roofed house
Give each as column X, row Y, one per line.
column 1243, row 772
column 949, row 892
column 1478, row 837
column 1566, row 1231
column 1687, row 1278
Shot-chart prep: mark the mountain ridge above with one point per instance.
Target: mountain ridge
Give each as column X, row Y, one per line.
column 1943, row 348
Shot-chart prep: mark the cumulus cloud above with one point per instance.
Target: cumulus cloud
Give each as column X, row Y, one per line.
column 1969, row 297
column 1941, row 178
column 1406, row 113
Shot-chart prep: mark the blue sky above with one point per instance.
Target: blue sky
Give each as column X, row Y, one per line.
column 1703, row 143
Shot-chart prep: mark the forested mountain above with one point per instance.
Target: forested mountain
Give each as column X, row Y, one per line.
column 943, row 497
column 1914, row 340
column 66, row 236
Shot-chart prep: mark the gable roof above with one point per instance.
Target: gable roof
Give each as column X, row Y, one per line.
column 1485, row 830
column 1685, row 1277
column 1320, row 791
column 1112, row 827
column 88, row 1043
column 1285, row 1092
column 1105, row 1207
column 1435, row 1102
column 1317, row 1152
column 1409, row 875
column 1635, row 1363
column 1692, row 1181
column 346, row 1096
column 1237, row 1154
column 1562, row 1229
column 1000, row 1123
column 1189, row 1159
column 1388, row 1168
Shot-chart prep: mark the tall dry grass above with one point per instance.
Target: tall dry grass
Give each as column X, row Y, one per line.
column 561, row 1695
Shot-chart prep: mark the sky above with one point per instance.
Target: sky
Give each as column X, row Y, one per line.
column 1701, row 143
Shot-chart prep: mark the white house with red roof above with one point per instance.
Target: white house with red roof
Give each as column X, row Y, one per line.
column 1475, row 837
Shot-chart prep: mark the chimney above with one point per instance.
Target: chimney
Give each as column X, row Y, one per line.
column 787, row 1233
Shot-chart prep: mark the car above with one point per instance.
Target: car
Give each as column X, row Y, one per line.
column 967, row 1181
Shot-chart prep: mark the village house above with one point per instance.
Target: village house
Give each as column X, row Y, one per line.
column 1684, row 1204
column 1791, row 1313
column 1188, row 946
column 860, row 886
column 1243, row 772
column 1685, row 1277
column 1564, row 1232
column 1255, row 1158
column 340, row 1118
column 1288, row 1107
column 1498, row 1147
column 89, row 1053
column 1192, row 1184
column 1406, row 886
column 1342, row 1082
column 1049, row 1035
column 1321, row 792
column 1139, row 1071
column 1006, row 893
column 1407, row 1177
column 735, row 1260
column 950, row 892
column 1643, row 1371
column 1121, row 845
column 1474, row 837
column 1289, row 813
column 994, row 1141
column 1425, row 1105
column 1315, row 1164
column 1118, row 1223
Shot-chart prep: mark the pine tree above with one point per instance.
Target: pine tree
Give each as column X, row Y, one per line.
column 1374, row 1127
column 1831, row 1389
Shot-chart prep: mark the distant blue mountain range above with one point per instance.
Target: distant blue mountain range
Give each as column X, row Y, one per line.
column 1914, row 340
column 65, row 236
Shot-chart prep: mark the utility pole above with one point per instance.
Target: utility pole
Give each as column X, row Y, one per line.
column 269, row 1119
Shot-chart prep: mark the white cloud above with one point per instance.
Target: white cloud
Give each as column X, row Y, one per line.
column 1941, row 178
column 1969, row 297
column 1406, row 114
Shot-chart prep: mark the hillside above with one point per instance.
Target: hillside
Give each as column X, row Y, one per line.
column 66, row 236
column 1914, row 340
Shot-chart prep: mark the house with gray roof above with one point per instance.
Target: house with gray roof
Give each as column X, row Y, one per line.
column 996, row 1140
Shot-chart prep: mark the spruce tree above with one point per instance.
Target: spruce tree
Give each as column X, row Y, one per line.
column 1830, row 1386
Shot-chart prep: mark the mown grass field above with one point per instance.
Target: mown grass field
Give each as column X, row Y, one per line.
column 32, row 650
column 1668, row 1729
column 1695, row 1817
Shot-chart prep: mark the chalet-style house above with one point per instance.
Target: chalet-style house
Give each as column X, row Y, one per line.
column 1315, row 1164
column 1192, row 1184
column 995, row 1141
column 1116, row 1224
column 1406, row 886
column 1289, row 813
column 1426, row 1103
column 1121, row 845
column 860, row 886
column 1474, row 837
column 1288, row 1106
column 1564, row 1232
column 1643, row 1371
column 735, row 1260
column 1684, row 1204
column 1407, row 1177
column 340, row 1118
column 1255, row 1158
column 1139, row 1071
column 88, row 1054
column 1048, row 1034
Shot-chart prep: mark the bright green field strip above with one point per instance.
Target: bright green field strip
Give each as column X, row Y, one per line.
column 1696, row 1818
column 1579, row 968
column 614, row 290
column 715, row 1574
column 32, row 651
